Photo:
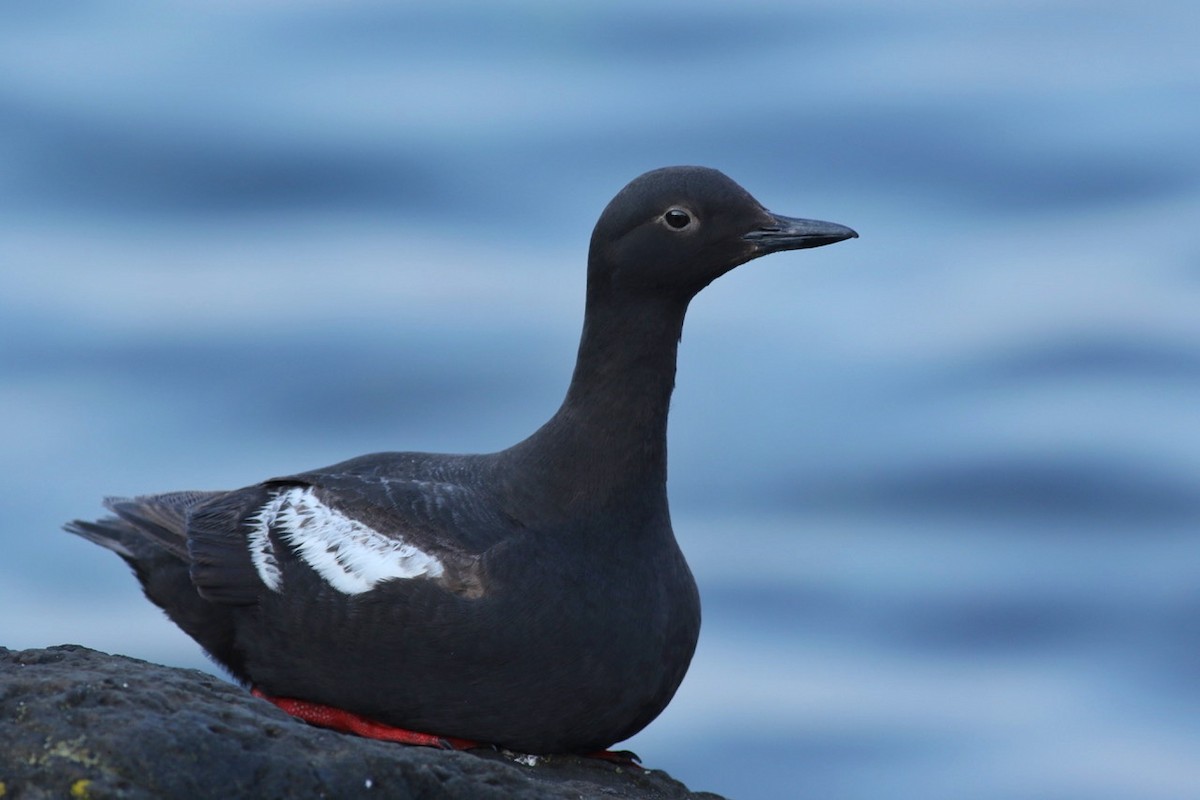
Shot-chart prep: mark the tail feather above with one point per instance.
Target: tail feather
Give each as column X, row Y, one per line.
column 110, row 533
column 150, row 534
column 157, row 521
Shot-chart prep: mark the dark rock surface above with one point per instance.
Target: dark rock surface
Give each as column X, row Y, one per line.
column 78, row 723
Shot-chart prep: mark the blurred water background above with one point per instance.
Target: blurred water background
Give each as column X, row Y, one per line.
column 939, row 485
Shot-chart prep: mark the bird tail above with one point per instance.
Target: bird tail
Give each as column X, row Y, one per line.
column 143, row 526
column 110, row 533
column 151, row 534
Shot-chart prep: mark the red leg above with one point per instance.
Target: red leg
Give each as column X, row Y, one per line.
column 349, row 722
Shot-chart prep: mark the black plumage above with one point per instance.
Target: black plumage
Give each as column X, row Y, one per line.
column 533, row 598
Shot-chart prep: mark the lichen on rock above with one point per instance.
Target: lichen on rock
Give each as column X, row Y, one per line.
column 83, row 724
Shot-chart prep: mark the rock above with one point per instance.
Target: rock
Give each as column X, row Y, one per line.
column 78, row 723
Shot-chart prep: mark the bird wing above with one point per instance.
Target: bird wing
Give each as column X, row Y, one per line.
column 354, row 532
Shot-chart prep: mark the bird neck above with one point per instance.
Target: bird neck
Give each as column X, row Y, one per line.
column 606, row 447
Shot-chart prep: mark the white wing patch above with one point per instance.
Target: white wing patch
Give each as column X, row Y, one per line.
column 262, row 549
column 350, row 556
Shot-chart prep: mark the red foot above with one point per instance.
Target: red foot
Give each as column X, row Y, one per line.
column 348, row 722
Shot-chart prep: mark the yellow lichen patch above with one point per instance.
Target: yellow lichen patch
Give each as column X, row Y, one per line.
column 72, row 750
column 79, row 789
column 3, row 789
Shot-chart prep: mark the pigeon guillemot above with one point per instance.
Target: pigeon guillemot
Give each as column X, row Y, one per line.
column 534, row 598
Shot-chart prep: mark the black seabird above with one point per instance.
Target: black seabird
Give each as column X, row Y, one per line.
column 534, row 598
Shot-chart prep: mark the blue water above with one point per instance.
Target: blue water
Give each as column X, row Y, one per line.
column 940, row 485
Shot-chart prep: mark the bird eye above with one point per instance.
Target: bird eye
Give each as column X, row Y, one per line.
column 677, row 218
